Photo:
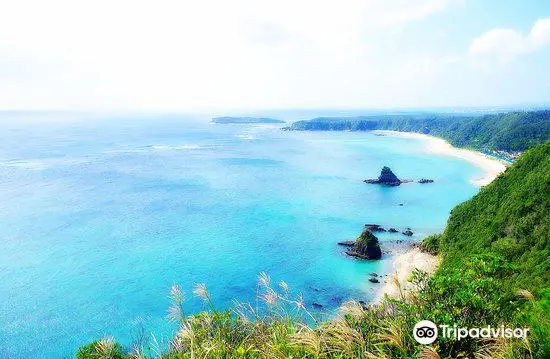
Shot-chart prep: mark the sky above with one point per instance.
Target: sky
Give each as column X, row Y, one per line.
column 180, row 55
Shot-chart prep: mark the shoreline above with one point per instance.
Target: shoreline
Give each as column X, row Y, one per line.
column 403, row 263
column 491, row 166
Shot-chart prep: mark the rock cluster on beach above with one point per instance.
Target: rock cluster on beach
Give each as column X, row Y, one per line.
column 373, row 278
column 374, row 228
column 378, row 228
column 366, row 246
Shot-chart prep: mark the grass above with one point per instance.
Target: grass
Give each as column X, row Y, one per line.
column 280, row 326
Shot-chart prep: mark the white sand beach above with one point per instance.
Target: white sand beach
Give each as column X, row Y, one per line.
column 404, row 263
column 402, row 267
column 491, row 166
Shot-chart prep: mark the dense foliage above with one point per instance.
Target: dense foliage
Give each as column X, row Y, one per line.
column 494, row 271
column 507, row 132
column 509, row 219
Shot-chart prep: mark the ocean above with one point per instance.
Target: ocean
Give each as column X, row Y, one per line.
column 100, row 215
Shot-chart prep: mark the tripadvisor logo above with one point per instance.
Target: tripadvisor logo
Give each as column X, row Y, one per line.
column 425, row 332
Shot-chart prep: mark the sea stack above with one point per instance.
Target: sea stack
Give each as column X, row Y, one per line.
column 387, row 178
column 366, row 246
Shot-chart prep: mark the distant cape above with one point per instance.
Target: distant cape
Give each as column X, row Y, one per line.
column 229, row 119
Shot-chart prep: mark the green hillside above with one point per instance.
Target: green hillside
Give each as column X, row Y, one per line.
column 510, row 218
column 506, row 226
column 495, row 270
column 503, row 132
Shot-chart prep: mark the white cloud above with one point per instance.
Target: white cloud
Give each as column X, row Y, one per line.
column 403, row 14
column 176, row 54
column 540, row 33
column 505, row 45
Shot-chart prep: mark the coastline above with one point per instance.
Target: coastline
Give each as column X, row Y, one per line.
column 412, row 258
column 491, row 166
column 403, row 265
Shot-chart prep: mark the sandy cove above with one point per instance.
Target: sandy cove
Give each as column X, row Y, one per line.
column 491, row 166
column 403, row 264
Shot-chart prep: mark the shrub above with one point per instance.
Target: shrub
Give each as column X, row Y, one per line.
column 430, row 244
column 101, row 349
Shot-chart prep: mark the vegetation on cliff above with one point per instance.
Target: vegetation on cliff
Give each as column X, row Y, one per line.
column 495, row 271
column 502, row 132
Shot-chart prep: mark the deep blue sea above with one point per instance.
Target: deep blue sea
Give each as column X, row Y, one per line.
column 100, row 215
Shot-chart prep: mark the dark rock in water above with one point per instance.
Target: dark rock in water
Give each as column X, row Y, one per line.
column 363, row 304
column 393, row 230
column 374, row 228
column 347, row 243
column 401, row 204
column 425, row 180
column 336, row 299
column 316, row 305
column 374, row 280
column 387, row 178
column 373, row 274
column 408, row 232
column 356, row 255
column 366, row 246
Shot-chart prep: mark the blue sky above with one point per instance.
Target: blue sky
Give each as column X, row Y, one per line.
column 252, row 54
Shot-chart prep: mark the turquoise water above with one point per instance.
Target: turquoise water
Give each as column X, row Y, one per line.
column 99, row 217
